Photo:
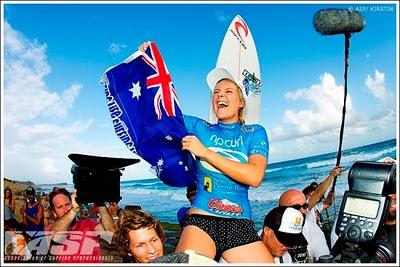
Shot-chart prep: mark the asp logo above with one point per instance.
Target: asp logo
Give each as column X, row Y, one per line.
column 71, row 242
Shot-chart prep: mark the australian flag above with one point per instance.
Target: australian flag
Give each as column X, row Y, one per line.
column 145, row 112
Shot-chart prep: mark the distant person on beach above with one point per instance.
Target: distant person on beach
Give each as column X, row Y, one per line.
column 317, row 244
column 282, row 232
column 139, row 237
column 65, row 210
column 183, row 211
column 9, row 205
column 32, row 211
column 231, row 157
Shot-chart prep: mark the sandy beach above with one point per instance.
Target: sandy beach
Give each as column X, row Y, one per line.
column 172, row 230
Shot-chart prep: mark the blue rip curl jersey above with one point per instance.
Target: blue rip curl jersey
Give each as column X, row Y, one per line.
column 217, row 193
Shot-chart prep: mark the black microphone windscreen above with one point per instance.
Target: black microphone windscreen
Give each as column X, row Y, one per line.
column 336, row 21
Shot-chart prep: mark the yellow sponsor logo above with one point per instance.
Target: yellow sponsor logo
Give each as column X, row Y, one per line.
column 208, row 184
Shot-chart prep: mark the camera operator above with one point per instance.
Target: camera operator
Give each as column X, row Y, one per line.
column 382, row 250
column 65, row 210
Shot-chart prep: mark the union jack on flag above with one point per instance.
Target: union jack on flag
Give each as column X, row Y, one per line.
column 146, row 116
column 166, row 94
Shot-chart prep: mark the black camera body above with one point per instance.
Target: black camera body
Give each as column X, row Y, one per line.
column 299, row 254
column 97, row 179
column 363, row 212
column 364, row 207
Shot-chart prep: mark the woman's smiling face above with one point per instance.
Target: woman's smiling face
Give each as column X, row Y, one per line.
column 227, row 101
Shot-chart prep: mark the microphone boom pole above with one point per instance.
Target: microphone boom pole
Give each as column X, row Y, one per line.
column 339, row 21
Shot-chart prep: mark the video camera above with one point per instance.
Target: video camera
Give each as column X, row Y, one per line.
column 363, row 212
column 97, row 179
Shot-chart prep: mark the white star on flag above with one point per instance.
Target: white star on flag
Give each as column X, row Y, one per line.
column 186, row 168
column 135, row 90
column 160, row 162
column 180, row 162
column 168, row 137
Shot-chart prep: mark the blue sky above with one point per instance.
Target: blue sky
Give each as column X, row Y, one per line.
column 54, row 55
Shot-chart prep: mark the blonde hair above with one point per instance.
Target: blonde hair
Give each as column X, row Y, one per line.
column 241, row 96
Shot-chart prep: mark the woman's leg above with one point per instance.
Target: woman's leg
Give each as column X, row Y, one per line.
column 255, row 252
column 194, row 238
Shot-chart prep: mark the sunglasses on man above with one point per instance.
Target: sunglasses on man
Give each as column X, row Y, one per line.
column 298, row 206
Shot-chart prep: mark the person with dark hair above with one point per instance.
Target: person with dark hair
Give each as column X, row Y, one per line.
column 65, row 210
column 32, row 211
column 282, row 232
column 139, row 237
column 9, row 205
column 314, row 184
column 321, row 205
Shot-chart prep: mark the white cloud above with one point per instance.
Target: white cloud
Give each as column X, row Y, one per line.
column 325, row 111
column 376, row 85
column 31, row 148
column 115, row 48
column 26, row 94
column 318, row 125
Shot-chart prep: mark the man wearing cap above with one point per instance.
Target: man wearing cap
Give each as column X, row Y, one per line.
column 32, row 211
column 282, row 232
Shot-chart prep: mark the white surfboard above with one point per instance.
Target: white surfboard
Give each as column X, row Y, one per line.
column 238, row 54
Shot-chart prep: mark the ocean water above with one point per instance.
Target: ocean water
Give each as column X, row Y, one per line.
column 163, row 201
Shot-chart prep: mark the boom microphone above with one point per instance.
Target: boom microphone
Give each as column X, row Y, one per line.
column 336, row 21
column 339, row 21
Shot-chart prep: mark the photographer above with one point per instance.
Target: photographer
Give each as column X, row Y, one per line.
column 282, row 235
column 65, row 210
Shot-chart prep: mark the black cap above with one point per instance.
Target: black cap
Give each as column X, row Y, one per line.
column 30, row 190
column 287, row 224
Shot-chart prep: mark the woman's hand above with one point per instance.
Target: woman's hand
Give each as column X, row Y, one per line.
column 144, row 46
column 193, row 144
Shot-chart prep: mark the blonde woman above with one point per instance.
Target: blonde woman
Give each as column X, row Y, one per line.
column 231, row 157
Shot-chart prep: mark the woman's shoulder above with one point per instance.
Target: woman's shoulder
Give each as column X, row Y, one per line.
column 193, row 122
column 253, row 127
column 191, row 118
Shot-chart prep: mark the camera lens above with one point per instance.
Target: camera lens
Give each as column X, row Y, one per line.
column 325, row 259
